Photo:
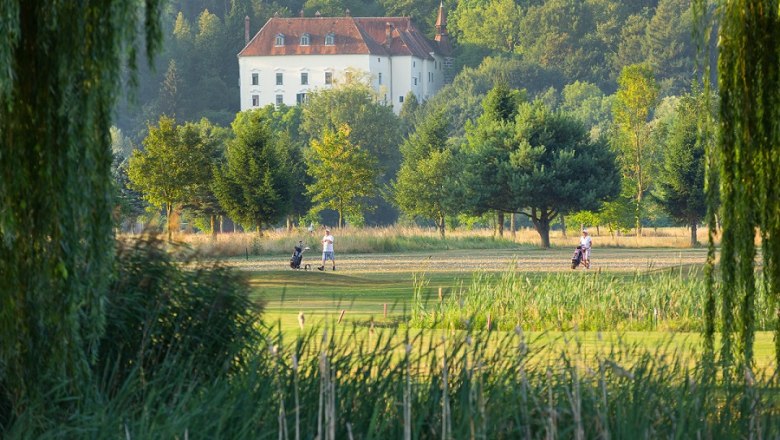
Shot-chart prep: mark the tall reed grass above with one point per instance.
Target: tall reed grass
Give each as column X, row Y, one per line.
column 670, row 300
column 401, row 239
column 329, row 384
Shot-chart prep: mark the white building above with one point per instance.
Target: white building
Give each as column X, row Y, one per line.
column 289, row 57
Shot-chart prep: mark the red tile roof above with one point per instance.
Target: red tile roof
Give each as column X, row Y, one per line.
column 352, row 35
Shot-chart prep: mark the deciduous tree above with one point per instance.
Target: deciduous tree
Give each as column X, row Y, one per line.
column 174, row 161
column 344, row 174
column 632, row 108
column 427, row 183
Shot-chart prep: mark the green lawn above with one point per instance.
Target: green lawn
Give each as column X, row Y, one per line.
column 364, row 284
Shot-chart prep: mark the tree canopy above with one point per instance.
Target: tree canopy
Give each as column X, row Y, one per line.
column 344, row 174
column 557, row 169
column 427, row 185
column 253, row 185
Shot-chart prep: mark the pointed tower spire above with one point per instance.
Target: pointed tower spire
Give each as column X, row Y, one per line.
column 441, row 20
column 441, row 31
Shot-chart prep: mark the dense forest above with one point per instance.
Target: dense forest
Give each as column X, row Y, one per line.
column 568, row 55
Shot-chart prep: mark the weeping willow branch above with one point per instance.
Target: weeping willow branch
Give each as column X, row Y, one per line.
column 60, row 75
column 748, row 159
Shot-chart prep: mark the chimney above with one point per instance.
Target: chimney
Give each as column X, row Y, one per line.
column 317, row 14
column 246, row 30
column 347, row 13
column 388, row 34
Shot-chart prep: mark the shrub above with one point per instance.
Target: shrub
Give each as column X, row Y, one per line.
column 172, row 310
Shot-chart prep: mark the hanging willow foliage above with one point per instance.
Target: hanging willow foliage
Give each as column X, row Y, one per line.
column 748, row 158
column 60, row 65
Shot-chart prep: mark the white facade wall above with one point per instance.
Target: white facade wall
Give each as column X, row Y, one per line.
column 398, row 76
column 291, row 67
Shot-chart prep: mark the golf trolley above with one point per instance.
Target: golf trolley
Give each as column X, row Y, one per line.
column 578, row 257
column 297, row 257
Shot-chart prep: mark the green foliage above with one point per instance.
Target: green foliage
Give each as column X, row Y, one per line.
column 669, row 45
column 494, row 24
column 61, row 64
column 344, row 174
column 556, row 168
column 373, row 126
column 176, row 161
column 488, row 144
column 632, row 108
column 749, row 169
column 254, row 185
column 681, row 180
column 587, row 103
column 527, row 159
column 462, row 100
column 160, row 316
column 427, row 185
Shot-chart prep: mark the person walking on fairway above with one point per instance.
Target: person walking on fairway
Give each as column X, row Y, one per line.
column 327, row 250
column 586, row 243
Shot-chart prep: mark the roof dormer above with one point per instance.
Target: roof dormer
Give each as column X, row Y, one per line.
column 330, row 39
column 279, row 40
column 305, row 39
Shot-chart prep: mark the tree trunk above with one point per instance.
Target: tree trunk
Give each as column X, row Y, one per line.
column 289, row 223
column 213, row 221
column 500, row 224
column 513, row 225
column 542, row 225
column 543, row 228
column 221, row 224
column 441, row 225
column 563, row 225
column 169, row 220
column 694, row 239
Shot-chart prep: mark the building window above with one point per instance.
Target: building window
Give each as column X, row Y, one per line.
column 279, row 40
column 415, row 80
column 414, row 63
column 379, row 60
column 328, row 77
column 380, row 78
column 255, row 79
column 400, row 99
column 255, row 100
column 304, row 78
column 279, row 79
column 279, row 99
column 305, row 40
column 329, row 39
column 300, row 98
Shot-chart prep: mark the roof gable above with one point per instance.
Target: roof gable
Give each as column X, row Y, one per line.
column 352, row 35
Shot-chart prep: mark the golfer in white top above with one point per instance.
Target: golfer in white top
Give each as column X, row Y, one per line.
column 327, row 250
column 586, row 243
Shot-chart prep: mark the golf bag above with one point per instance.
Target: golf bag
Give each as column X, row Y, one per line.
column 576, row 259
column 297, row 257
